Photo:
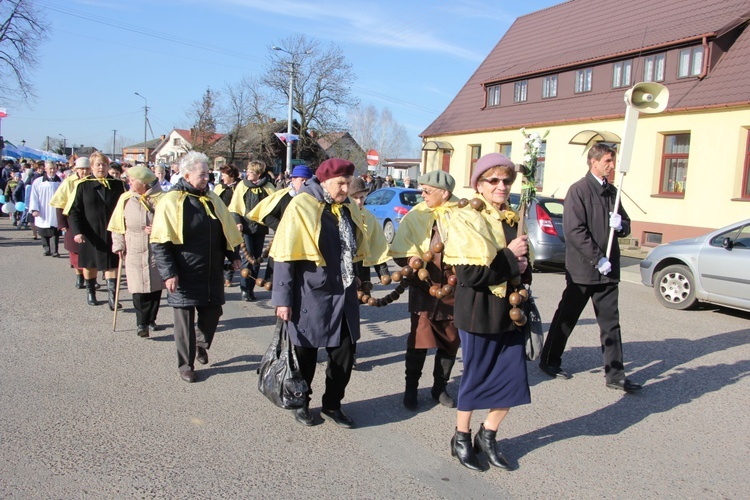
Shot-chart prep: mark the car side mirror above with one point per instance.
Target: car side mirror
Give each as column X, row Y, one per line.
column 727, row 243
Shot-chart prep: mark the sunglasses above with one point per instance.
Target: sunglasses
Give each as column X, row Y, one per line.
column 494, row 181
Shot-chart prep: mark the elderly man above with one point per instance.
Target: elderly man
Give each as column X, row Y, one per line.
column 423, row 230
column 318, row 242
column 45, row 216
column 191, row 234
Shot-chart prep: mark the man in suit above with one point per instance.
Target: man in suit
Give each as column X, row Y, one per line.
column 590, row 274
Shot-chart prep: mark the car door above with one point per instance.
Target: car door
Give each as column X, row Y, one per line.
column 725, row 272
column 374, row 203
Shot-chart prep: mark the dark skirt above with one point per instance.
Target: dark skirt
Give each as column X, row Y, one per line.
column 494, row 373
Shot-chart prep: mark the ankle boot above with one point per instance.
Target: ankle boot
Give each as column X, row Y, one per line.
column 414, row 363
column 485, row 441
column 91, row 292
column 441, row 375
column 79, row 282
column 111, row 290
column 461, row 448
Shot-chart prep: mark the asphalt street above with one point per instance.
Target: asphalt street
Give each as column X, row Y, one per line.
column 86, row 412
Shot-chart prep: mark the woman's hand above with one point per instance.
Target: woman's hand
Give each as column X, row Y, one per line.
column 284, row 313
column 171, row 284
column 519, row 246
column 78, row 238
column 147, row 229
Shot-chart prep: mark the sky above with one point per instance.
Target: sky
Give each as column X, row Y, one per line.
column 411, row 57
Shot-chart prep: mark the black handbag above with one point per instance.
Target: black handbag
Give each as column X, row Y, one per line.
column 533, row 329
column 279, row 377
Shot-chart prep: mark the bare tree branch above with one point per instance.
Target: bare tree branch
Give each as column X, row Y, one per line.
column 22, row 30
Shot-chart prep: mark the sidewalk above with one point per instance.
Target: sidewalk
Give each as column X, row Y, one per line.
column 631, row 257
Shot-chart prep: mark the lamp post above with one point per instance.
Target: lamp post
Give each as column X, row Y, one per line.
column 145, row 125
column 292, row 65
column 65, row 140
column 23, row 142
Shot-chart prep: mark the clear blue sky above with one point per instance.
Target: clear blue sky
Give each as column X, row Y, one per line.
column 409, row 56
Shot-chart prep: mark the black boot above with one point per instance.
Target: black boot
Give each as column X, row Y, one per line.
column 442, row 374
column 485, row 441
column 462, row 449
column 111, row 290
column 414, row 363
column 79, row 282
column 91, row 292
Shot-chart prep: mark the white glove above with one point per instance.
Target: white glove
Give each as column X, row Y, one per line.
column 615, row 221
column 604, row 266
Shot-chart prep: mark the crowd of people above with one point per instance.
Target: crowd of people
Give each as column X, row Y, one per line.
column 465, row 261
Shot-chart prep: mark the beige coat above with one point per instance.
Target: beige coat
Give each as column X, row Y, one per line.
column 140, row 267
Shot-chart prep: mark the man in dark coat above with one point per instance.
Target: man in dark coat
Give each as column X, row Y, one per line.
column 315, row 249
column 92, row 205
column 192, row 233
column 587, row 219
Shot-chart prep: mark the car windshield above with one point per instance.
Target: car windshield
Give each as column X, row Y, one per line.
column 410, row 198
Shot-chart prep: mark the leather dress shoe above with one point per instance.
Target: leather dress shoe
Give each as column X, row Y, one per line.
column 47, row 254
column 303, row 416
column 154, row 326
column 201, row 356
column 554, row 371
column 55, row 254
column 625, row 385
column 142, row 331
column 188, row 376
column 338, row 417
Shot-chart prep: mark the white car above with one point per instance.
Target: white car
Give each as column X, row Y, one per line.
column 713, row 268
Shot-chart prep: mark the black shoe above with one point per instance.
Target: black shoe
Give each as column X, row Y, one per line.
column 445, row 399
column 47, row 254
column 154, row 326
column 625, row 385
column 411, row 401
column 142, row 331
column 462, row 449
column 338, row 417
column 91, row 292
column 55, row 254
column 251, row 296
column 187, row 375
column 245, row 296
column 485, row 441
column 303, row 416
column 554, row 371
column 112, row 286
column 201, row 356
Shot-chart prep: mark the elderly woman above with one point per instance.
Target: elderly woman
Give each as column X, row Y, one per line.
column 192, row 233
column 90, row 209
column 487, row 253
column 318, row 243
column 130, row 226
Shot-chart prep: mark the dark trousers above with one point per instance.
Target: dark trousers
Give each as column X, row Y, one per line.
column 338, row 371
column 574, row 299
column 188, row 334
column 254, row 246
column 50, row 239
column 146, row 307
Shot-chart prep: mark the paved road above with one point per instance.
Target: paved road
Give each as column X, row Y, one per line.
column 87, row 412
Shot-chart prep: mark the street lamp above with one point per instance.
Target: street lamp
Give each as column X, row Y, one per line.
column 292, row 65
column 145, row 124
column 65, row 140
column 23, row 142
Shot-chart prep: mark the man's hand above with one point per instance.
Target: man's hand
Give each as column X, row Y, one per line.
column 78, row 238
column 615, row 221
column 239, row 227
column 171, row 284
column 284, row 313
column 604, row 266
column 35, row 213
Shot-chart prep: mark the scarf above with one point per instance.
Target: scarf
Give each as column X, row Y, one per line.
column 346, row 240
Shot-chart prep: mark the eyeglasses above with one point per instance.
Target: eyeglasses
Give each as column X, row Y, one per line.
column 428, row 193
column 494, row 181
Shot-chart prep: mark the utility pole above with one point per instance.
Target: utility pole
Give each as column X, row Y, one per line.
column 114, row 138
column 145, row 125
column 47, row 147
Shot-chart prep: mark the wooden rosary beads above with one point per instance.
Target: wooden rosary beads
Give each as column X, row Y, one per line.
column 246, row 273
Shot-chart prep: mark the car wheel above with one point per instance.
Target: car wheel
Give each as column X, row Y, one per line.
column 389, row 231
column 675, row 287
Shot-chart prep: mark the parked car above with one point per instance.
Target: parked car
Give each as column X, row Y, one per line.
column 545, row 227
column 389, row 205
column 713, row 268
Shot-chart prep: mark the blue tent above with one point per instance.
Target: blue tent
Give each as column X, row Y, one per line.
column 11, row 150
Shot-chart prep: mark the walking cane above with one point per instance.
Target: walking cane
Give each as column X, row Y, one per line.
column 117, row 292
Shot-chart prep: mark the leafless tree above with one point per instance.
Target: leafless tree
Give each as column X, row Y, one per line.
column 22, row 30
column 203, row 117
column 322, row 83
column 236, row 112
column 373, row 129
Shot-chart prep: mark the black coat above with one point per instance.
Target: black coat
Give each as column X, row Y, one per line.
column 586, row 223
column 89, row 216
column 199, row 262
column 252, row 197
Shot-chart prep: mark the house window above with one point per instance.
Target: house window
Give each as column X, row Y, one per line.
column 474, row 153
column 674, row 164
column 519, row 91
column 493, row 96
column 653, row 68
column 621, row 72
column 746, row 174
column 549, row 86
column 176, row 141
column 504, row 148
column 691, row 62
column 583, row 80
column 539, row 175
column 652, row 239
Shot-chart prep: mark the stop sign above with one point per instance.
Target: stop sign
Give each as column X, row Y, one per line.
column 372, row 157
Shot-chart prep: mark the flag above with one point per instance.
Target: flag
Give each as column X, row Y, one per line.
column 287, row 137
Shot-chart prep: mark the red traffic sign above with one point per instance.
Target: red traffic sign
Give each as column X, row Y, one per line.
column 372, row 157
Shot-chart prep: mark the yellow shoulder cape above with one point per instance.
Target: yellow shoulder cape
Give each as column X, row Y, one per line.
column 117, row 220
column 168, row 219
column 237, row 205
column 299, row 231
column 476, row 238
column 377, row 245
column 266, row 205
column 415, row 229
column 60, row 198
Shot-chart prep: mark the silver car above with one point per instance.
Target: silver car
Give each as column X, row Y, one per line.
column 713, row 268
column 544, row 225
